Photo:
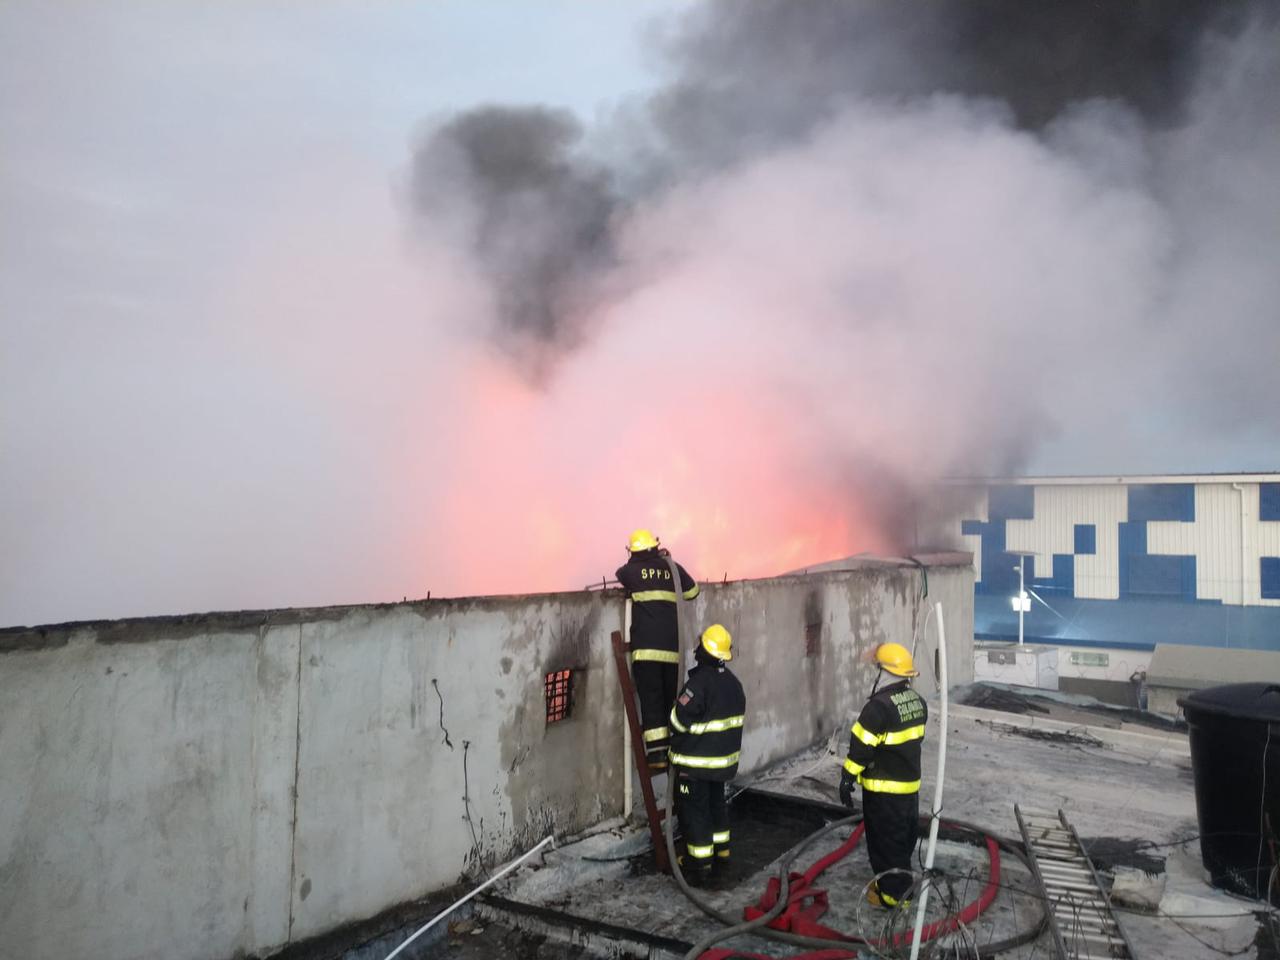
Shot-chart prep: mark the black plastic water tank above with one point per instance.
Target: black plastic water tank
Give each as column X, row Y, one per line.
column 1235, row 756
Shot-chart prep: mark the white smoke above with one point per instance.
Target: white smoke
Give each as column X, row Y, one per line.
column 805, row 312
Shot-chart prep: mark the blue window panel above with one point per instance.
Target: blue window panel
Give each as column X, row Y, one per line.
column 999, row 569
column 1064, row 573
column 1269, row 501
column 1011, row 502
column 992, row 535
column 998, row 574
column 1086, row 538
column 1063, row 581
column 1143, row 575
column 1133, row 543
column 1158, row 576
column 1162, row 501
column 1270, row 578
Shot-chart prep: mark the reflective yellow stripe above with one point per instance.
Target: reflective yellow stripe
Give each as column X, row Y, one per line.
column 904, row 736
column 721, row 837
column 700, row 852
column 854, row 768
column 888, row 900
column 723, row 853
column 675, row 722
column 645, row 596
column 705, row 763
column 866, row 736
column 657, row 733
column 691, row 592
column 890, row 786
column 716, row 726
column 659, row 656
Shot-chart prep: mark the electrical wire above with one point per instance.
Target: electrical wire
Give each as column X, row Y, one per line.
column 476, row 852
column 1207, row 945
column 1262, row 816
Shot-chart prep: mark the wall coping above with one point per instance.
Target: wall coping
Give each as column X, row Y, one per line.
column 186, row 626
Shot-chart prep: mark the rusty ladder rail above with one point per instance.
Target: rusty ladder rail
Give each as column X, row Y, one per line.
column 652, row 812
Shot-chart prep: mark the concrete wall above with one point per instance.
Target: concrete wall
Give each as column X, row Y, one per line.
column 1177, row 671
column 798, row 691
column 226, row 784
column 1091, row 671
column 214, row 785
column 1028, row 665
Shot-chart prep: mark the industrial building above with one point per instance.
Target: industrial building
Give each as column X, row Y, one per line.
column 1111, row 568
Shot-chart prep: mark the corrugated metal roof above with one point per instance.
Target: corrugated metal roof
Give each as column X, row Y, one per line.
column 1130, row 478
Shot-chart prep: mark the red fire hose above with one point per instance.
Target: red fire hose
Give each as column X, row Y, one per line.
column 806, row 904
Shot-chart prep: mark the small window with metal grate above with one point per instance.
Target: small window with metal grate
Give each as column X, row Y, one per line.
column 558, row 690
column 812, row 639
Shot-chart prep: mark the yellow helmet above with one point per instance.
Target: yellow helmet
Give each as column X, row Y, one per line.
column 717, row 642
column 896, row 658
column 641, row 539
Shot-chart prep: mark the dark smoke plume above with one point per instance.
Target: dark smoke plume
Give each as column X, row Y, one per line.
column 751, row 73
column 936, row 235
column 534, row 212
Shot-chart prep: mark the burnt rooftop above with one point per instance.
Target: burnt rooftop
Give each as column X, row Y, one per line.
column 1125, row 786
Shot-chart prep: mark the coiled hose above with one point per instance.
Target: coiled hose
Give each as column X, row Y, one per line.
column 736, row 927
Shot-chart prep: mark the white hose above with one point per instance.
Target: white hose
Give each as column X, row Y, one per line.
column 448, row 910
column 626, row 724
column 937, row 789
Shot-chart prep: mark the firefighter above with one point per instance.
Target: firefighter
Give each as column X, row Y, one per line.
column 707, row 723
column 884, row 756
column 655, row 640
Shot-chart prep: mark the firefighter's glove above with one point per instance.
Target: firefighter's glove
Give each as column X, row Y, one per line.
column 847, row 783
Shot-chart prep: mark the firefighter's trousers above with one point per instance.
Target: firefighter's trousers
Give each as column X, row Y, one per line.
column 656, row 687
column 704, row 821
column 893, row 826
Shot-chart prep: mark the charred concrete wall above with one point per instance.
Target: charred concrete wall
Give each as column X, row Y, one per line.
column 225, row 784
column 802, row 644
column 218, row 786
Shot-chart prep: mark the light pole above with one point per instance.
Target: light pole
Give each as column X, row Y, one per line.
column 1022, row 602
column 1022, row 599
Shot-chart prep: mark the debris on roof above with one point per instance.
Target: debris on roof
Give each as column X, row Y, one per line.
column 1127, row 792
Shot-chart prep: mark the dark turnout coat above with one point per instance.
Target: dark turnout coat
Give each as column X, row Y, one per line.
column 884, row 743
column 647, row 580
column 706, row 723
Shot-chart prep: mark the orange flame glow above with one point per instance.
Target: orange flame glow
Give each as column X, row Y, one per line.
column 529, row 506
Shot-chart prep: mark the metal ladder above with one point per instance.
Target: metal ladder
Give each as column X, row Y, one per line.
column 1081, row 920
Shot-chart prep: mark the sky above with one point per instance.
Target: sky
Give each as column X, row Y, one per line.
column 305, row 305
column 159, row 163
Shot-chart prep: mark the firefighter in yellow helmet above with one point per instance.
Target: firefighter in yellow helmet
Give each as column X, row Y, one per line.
column 707, row 722
column 655, row 640
column 884, row 756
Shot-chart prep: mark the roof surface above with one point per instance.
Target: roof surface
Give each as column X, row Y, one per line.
column 1127, row 790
